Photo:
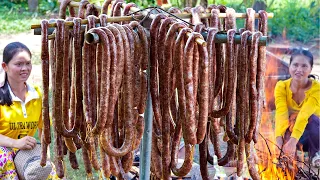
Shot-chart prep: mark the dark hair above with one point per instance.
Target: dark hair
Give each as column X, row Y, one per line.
column 304, row 52
column 8, row 53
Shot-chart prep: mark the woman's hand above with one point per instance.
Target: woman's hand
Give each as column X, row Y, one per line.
column 26, row 142
column 279, row 141
column 289, row 148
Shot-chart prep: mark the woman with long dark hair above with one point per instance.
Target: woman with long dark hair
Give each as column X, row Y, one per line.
column 20, row 107
column 297, row 103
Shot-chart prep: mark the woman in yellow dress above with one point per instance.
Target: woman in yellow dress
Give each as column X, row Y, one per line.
column 298, row 109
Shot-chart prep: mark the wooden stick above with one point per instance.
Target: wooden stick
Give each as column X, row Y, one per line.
column 85, row 21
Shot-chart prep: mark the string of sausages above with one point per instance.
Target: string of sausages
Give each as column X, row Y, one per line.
column 100, row 90
column 199, row 90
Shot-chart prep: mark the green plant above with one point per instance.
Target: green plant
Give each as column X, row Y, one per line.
column 15, row 17
column 299, row 22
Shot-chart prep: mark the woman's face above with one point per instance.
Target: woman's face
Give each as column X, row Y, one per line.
column 300, row 67
column 19, row 68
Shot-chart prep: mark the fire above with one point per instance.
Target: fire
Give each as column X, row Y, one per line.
column 266, row 146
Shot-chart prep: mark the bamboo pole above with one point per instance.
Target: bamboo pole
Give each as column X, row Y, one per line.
column 184, row 15
column 85, row 21
column 152, row 16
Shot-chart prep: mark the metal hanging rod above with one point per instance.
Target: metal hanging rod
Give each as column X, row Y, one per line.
column 219, row 38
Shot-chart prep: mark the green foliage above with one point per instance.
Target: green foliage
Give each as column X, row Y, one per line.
column 15, row 17
column 300, row 22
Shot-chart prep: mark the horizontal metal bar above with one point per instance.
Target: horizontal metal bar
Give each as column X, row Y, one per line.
column 219, row 38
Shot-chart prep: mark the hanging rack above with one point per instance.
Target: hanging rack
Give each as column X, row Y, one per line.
column 145, row 13
column 93, row 38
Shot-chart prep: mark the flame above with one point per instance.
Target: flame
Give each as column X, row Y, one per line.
column 266, row 149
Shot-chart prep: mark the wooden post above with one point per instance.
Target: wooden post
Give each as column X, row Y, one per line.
column 33, row 5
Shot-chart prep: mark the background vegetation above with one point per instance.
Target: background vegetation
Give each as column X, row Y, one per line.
column 297, row 20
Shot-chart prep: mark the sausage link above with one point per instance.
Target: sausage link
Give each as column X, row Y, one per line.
column 156, row 156
column 127, row 161
column 92, row 81
column 126, row 11
column 86, row 162
column 105, row 81
column 136, row 62
column 210, row 7
column 114, row 168
column 212, row 64
column 220, row 51
column 45, row 81
column 143, row 64
column 195, row 66
column 100, row 54
column 78, row 72
column 57, row 97
column 58, row 155
column 105, row 162
column 231, row 71
column 113, row 7
column 59, row 168
column 111, row 84
column 202, row 10
column 203, row 93
column 121, row 44
column 73, row 160
column 189, row 149
column 214, row 19
column 154, row 70
column 44, row 151
column 214, row 136
column 63, row 7
column 263, row 28
column 93, row 153
column 82, row 8
column 187, row 9
column 190, row 124
column 243, row 71
column 240, row 154
column 252, row 85
column 139, row 129
column 103, row 20
column 117, row 10
column 164, row 92
column 129, row 116
column 85, row 83
column 178, row 64
column 174, row 10
column 66, row 93
column 89, row 10
column 231, row 19
column 209, row 157
column 195, row 16
column 249, row 23
column 222, row 24
column 231, row 116
column 203, row 150
column 105, row 6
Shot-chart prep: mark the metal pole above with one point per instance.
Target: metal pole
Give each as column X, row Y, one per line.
column 145, row 155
